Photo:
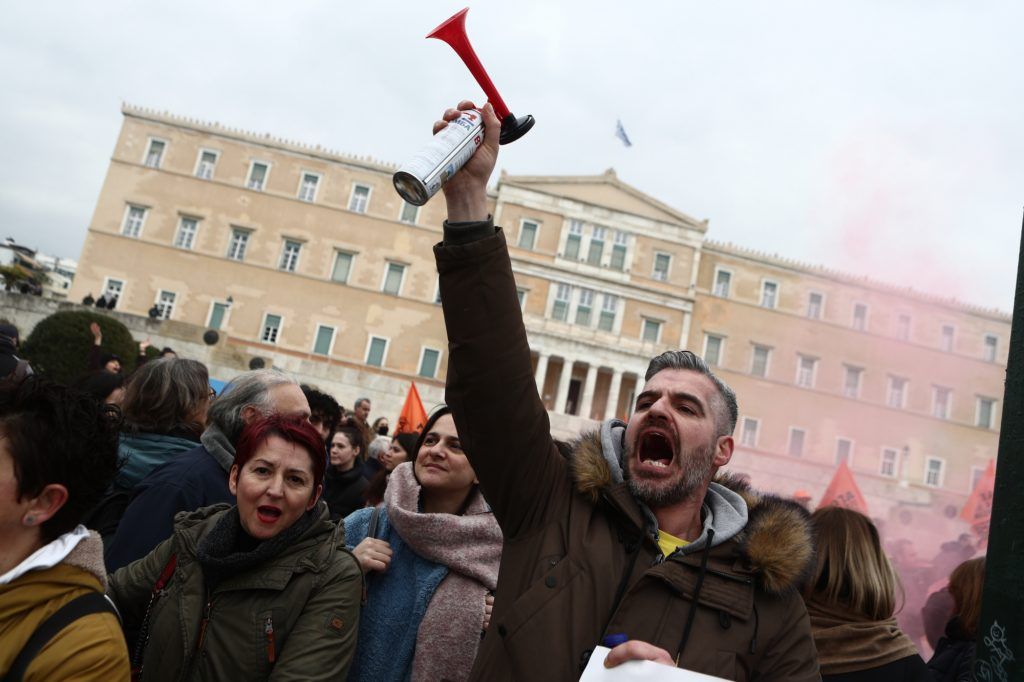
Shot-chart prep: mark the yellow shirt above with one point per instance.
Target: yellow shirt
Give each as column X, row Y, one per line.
column 670, row 543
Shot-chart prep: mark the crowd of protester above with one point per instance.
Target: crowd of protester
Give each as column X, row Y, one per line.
column 153, row 529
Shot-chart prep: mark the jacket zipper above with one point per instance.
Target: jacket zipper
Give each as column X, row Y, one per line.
column 268, row 630
column 204, row 622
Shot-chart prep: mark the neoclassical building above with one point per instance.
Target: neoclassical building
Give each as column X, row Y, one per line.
column 308, row 258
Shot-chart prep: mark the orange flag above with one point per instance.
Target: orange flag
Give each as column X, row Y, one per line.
column 978, row 510
column 413, row 417
column 843, row 492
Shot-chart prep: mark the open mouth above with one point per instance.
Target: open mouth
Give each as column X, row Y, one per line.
column 268, row 514
column 655, row 449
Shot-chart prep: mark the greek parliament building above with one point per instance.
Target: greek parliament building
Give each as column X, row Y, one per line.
column 309, row 259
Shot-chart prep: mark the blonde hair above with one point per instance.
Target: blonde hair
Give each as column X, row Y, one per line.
column 966, row 583
column 851, row 571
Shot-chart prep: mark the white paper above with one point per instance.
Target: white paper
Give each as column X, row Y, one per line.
column 636, row 670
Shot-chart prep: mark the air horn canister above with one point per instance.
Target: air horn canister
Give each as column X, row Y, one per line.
column 422, row 176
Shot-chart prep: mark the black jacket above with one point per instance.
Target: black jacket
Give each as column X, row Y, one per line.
column 953, row 656
column 343, row 491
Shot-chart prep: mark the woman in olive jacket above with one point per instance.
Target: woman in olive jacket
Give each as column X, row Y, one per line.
column 264, row 590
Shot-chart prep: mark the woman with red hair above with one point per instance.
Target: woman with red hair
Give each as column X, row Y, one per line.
column 259, row 589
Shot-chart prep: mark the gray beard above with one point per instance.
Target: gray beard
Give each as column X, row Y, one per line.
column 696, row 467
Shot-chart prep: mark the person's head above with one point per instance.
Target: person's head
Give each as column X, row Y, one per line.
column 680, row 432
column 168, row 352
column 277, row 475
column 10, row 338
column 966, row 584
column 347, row 447
column 381, row 426
column 324, row 411
column 110, row 362
column 58, row 454
column 256, row 394
column 441, row 467
column 401, row 449
column 107, row 388
column 377, row 447
column 362, row 409
column 850, row 569
column 165, row 396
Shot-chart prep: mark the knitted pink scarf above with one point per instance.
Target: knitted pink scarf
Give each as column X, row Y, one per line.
column 470, row 546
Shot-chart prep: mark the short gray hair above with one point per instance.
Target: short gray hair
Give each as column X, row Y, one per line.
column 250, row 388
column 359, row 402
column 726, row 411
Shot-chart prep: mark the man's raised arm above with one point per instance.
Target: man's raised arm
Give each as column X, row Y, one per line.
column 501, row 421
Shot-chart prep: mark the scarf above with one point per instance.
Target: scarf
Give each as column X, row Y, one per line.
column 847, row 643
column 228, row 550
column 470, row 547
column 218, row 445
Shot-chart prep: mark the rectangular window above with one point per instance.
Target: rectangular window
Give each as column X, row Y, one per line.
column 165, row 304
column 428, row 362
column 560, row 311
column 651, row 331
column 815, row 304
column 723, row 283
column 713, row 349
column 410, row 212
column 769, row 294
column 934, row 468
column 376, row 351
column 584, row 307
column 359, row 202
column 897, row 395
column 271, row 328
column 257, row 176
column 218, row 313
column 941, row 399
column 844, row 451
column 609, row 307
column 748, row 435
column 946, row 341
column 307, row 188
column 860, row 316
column 903, row 327
column 134, row 216
column 393, row 276
column 596, row 250
column 290, row 255
column 324, row 340
column 985, row 413
column 976, row 474
column 759, row 361
column 572, row 240
column 796, row 442
column 805, row 370
column 113, row 288
column 851, row 381
column 521, row 295
column 239, row 242
column 155, row 153
column 618, row 261
column 437, row 291
column 342, row 267
column 206, row 164
column 186, row 237
column 991, row 345
column 887, row 467
column 527, row 235
column 662, row 263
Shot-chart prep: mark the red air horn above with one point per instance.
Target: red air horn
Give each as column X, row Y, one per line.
column 453, row 32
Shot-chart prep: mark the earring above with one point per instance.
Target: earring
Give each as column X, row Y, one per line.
column 30, row 520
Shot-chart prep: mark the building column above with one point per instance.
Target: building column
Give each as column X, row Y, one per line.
column 541, row 373
column 587, row 396
column 612, row 404
column 562, row 394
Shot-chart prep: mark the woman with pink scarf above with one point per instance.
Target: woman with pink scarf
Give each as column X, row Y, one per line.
column 430, row 553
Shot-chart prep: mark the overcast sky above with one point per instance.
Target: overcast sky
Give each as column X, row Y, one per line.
column 880, row 138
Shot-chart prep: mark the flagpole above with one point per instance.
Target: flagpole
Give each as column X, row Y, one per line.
column 1000, row 645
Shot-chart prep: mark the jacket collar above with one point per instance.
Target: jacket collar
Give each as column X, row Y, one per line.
column 218, row 445
column 775, row 539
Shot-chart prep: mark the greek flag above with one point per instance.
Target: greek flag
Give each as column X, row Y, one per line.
column 620, row 133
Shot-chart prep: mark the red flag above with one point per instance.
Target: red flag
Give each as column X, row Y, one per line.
column 843, row 492
column 413, row 417
column 978, row 510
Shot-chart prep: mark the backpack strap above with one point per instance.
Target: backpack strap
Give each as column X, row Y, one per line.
column 84, row 605
column 371, row 529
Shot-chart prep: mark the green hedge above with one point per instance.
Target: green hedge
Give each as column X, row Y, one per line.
column 59, row 346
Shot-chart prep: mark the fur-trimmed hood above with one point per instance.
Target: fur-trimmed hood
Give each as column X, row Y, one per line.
column 774, row 536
